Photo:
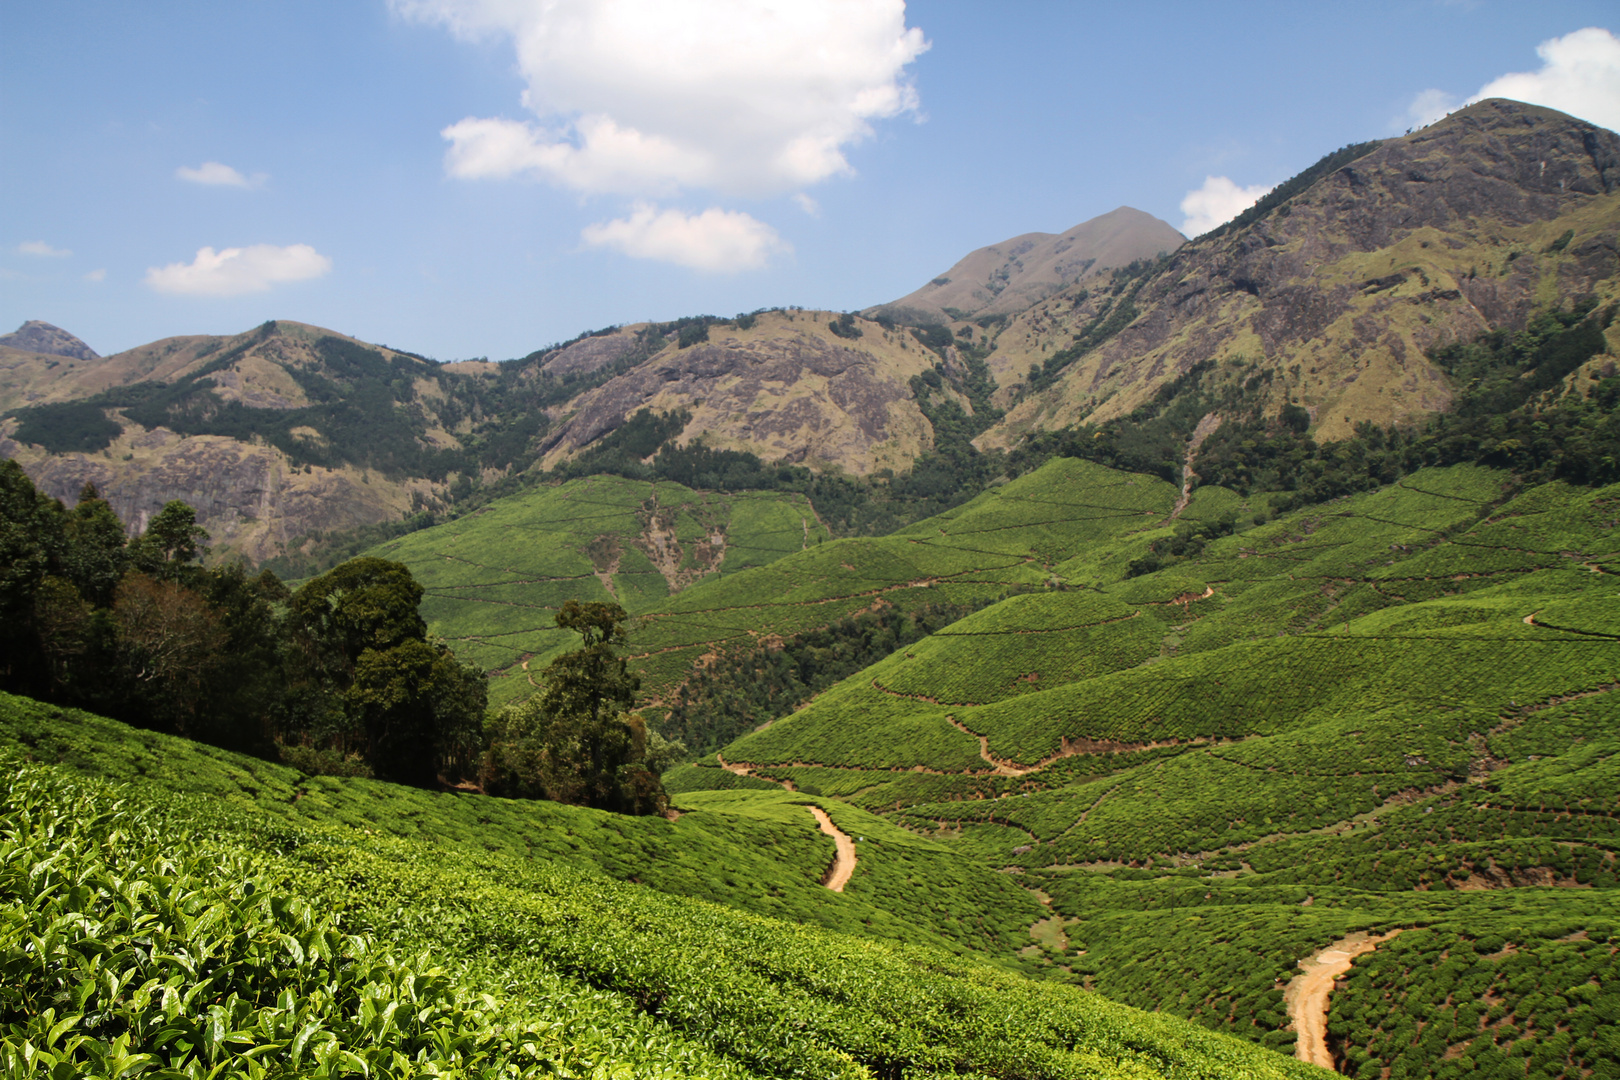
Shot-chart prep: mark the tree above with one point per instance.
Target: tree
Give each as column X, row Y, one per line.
column 171, row 543
column 413, row 697
column 170, row 639
column 577, row 740
column 94, row 557
column 367, row 679
column 31, row 543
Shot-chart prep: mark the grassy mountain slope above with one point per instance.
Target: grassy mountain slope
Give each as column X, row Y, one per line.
column 1340, row 283
column 1390, row 708
column 1014, row 275
column 325, row 945
column 496, row 577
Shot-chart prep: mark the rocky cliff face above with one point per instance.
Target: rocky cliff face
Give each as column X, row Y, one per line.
column 249, row 497
column 1016, row 274
column 786, row 388
column 1463, row 227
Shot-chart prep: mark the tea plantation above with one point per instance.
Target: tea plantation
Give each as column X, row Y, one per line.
column 1391, row 711
column 1395, row 711
column 148, row 933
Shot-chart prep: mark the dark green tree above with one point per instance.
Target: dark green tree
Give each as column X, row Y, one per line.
column 95, row 556
column 366, row 680
column 414, row 697
column 171, row 543
column 577, row 740
column 31, row 544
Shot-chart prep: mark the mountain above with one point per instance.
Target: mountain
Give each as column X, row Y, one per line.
column 1016, row 274
column 1335, row 287
column 41, row 337
column 789, row 386
column 279, row 432
column 289, row 430
column 1328, row 300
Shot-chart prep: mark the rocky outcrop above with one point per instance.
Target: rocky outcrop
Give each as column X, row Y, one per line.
column 786, row 388
column 249, row 498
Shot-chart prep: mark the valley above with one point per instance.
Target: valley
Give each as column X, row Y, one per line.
column 1120, row 657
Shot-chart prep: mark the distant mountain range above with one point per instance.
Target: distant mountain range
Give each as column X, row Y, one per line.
column 1326, row 296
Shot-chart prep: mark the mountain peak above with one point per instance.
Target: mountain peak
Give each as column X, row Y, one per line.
column 41, row 337
column 1016, row 274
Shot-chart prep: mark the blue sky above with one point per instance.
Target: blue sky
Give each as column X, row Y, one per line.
column 477, row 178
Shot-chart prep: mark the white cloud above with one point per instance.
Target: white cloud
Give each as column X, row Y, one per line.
column 715, row 240
column 40, row 247
column 1580, row 75
column 807, row 204
column 646, row 97
column 1216, row 203
column 215, row 174
column 96, row 275
column 236, row 271
column 1426, row 108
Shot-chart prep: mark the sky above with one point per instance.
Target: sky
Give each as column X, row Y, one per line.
column 481, row 178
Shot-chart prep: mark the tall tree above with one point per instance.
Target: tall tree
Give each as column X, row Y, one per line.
column 577, row 741
column 368, row 680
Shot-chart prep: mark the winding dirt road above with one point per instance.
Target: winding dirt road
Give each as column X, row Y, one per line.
column 1307, row 995
column 843, row 864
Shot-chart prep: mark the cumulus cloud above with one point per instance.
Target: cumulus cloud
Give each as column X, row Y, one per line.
column 215, row 174
column 646, row 97
column 96, row 275
column 715, row 240
column 40, row 247
column 807, row 204
column 1426, row 108
column 1579, row 75
column 1216, row 203
column 236, row 271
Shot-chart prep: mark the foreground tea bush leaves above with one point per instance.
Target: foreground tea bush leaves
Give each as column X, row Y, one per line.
column 148, row 935
column 128, row 950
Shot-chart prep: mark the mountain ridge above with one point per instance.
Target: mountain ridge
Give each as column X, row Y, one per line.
column 1015, row 274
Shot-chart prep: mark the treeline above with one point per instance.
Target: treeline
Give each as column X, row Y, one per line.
column 735, row 694
column 337, row 677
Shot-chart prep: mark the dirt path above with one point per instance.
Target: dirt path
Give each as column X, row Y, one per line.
column 1307, row 995
column 843, row 864
column 748, row 770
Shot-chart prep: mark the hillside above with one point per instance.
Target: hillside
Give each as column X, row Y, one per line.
column 1012, row 276
column 290, row 432
column 1329, row 300
column 327, row 944
column 495, row 578
column 1391, row 712
column 790, row 386
column 1331, row 291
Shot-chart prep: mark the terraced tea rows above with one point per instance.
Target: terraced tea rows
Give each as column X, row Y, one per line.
column 495, row 578
column 1374, row 708
column 135, row 945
